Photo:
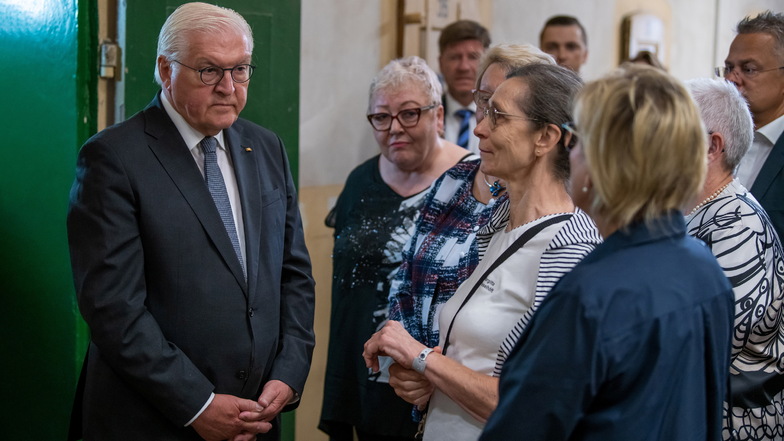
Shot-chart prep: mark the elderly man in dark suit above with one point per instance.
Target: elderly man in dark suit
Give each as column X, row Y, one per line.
column 188, row 254
column 755, row 64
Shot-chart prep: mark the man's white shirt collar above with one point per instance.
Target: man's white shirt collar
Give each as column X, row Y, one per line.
column 453, row 106
column 773, row 130
column 191, row 136
column 752, row 162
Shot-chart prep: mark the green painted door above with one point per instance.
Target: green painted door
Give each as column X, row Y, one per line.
column 46, row 59
column 273, row 94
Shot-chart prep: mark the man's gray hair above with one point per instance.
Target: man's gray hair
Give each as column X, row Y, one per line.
column 766, row 22
column 197, row 17
column 724, row 110
column 402, row 72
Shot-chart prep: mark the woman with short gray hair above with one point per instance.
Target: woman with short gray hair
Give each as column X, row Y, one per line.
column 739, row 233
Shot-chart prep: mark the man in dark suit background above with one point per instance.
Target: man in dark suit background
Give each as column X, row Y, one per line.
column 755, row 64
column 198, row 294
column 564, row 37
column 461, row 45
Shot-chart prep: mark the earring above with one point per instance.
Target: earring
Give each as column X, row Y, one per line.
column 585, row 189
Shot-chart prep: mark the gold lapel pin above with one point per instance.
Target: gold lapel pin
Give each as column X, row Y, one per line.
column 248, row 149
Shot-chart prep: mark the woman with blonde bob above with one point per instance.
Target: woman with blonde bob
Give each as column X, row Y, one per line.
column 633, row 343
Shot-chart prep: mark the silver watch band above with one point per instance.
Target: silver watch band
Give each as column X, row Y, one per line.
column 418, row 364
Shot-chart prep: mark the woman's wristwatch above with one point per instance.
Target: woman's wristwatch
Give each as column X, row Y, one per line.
column 418, row 364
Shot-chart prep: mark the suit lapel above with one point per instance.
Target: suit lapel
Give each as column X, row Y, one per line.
column 167, row 145
column 770, row 169
column 247, row 173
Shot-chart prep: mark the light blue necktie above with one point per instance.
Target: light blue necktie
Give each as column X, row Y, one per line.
column 465, row 123
column 217, row 186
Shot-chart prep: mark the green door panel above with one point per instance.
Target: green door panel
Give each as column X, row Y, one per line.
column 46, row 58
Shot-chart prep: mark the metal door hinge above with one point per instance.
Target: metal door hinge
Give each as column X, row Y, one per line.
column 110, row 61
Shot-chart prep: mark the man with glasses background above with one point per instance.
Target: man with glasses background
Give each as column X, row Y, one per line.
column 755, row 64
column 188, row 254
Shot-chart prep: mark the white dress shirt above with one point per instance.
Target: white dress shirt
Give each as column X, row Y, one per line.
column 192, row 138
column 452, row 123
column 764, row 139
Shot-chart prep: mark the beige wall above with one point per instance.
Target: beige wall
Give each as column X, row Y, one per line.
column 345, row 42
column 314, row 204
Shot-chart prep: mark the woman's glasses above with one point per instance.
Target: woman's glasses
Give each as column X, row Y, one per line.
column 492, row 113
column 406, row 117
column 570, row 135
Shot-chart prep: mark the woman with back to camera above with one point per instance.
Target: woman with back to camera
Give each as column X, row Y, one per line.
column 373, row 218
column 521, row 142
column 633, row 343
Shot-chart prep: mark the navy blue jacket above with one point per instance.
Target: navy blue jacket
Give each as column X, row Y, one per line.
column 632, row 344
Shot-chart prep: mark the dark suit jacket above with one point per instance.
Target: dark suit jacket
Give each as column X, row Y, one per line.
column 171, row 316
column 768, row 188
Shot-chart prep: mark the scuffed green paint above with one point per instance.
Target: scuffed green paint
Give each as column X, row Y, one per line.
column 46, row 52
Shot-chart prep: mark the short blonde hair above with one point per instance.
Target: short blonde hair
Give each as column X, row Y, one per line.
column 644, row 144
column 511, row 57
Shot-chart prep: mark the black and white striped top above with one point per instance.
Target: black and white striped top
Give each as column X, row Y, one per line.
column 577, row 237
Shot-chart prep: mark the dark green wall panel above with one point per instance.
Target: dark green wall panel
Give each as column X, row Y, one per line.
column 47, row 64
column 46, row 91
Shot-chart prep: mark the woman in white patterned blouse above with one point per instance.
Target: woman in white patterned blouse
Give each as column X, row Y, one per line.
column 738, row 231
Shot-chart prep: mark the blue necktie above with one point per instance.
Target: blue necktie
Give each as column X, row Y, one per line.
column 462, row 135
column 217, row 186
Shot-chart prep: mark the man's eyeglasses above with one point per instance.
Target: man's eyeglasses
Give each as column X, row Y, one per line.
column 407, row 118
column 212, row 75
column 746, row 72
column 492, row 113
column 570, row 136
column 481, row 98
